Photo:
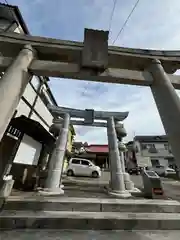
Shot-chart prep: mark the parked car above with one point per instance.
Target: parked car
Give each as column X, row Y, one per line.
column 82, row 167
column 163, row 170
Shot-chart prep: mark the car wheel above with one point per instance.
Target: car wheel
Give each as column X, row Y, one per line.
column 70, row 173
column 95, row 174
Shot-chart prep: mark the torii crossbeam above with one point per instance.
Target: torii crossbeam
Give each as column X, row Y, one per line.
column 24, row 55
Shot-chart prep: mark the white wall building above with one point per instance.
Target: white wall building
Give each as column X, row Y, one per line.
column 28, row 133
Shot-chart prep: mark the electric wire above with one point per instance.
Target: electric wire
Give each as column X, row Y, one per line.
column 112, row 14
column 126, row 21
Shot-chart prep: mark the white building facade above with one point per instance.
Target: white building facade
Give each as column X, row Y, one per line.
column 153, row 148
column 28, row 132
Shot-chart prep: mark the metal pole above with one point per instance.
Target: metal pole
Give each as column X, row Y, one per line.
column 168, row 104
column 13, row 84
column 53, row 182
column 117, row 186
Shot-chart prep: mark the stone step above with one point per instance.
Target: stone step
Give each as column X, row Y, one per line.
column 88, row 220
column 38, row 203
column 47, row 234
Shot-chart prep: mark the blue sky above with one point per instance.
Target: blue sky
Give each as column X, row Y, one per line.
column 154, row 24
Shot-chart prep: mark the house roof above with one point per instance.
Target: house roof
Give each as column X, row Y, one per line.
column 153, row 138
column 95, row 148
column 15, row 13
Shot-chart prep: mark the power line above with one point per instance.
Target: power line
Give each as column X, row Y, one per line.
column 112, row 13
column 110, row 23
column 123, row 26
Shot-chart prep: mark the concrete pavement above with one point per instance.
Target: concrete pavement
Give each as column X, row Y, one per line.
column 88, row 235
column 95, row 186
column 92, row 213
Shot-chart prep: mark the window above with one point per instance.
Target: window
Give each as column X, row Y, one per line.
column 159, row 146
column 4, row 24
column 143, row 146
column 152, row 148
column 35, row 82
column 76, row 161
column 85, row 163
column 155, row 162
column 166, row 146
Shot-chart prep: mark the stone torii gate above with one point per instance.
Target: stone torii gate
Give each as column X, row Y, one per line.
column 24, row 55
column 120, row 180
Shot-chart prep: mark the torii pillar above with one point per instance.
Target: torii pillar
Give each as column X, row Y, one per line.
column 117, row 185
column 168, row 104
column 53, row 184
column 13, row 84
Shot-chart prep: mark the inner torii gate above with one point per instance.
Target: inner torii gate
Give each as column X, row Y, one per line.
column 24, row 56
column 120, row 184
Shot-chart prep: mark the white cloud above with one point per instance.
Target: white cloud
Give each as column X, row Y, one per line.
column 154, row 24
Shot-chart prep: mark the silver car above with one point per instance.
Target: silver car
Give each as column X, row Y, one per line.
column 163, row 170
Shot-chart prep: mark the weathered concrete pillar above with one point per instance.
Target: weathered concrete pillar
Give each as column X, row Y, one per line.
column 121, row 132
column 53, row 183
column 13, row 84
column 129, row 185
column 117, row 186
column 168, row 104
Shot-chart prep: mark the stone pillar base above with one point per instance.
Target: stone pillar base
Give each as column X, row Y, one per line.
column 119, row 194
column 129, row 185
column 135, row 190
column 6, row 189
column 51, row 192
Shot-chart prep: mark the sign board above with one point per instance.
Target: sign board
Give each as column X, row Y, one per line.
column 144, row 161
column 95, row 49
column 89, row 116
column 28, row 152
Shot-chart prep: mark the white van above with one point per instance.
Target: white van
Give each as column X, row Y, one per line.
column 82, row 167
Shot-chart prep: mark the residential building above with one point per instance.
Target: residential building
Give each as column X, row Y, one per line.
column 97, row 153
column 156, row 148
column 27, row 136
